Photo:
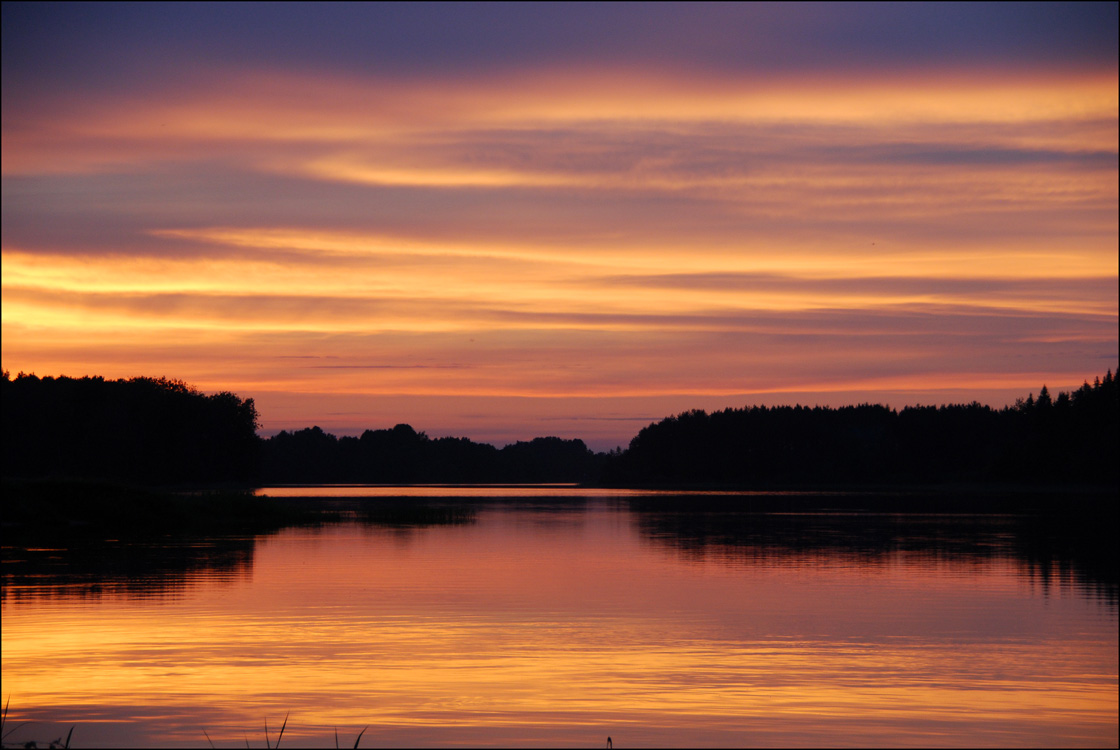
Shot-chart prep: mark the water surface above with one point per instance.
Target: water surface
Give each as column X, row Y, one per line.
column 529, row 620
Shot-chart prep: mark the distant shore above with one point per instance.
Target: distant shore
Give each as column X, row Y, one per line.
column 85, row 507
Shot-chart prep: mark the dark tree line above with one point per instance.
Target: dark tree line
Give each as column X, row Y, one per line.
column 156, row 431
column 1068, row 439
column 402, row 455
column 164, row 432
column 150, row 431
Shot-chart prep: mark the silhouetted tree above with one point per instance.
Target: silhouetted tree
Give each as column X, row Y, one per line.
column 146, row 430
column 1072, row 438
column 402, row 455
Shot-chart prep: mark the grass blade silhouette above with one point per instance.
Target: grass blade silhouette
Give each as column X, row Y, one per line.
column 4, row 720
column 282, row 728
column 359, row 739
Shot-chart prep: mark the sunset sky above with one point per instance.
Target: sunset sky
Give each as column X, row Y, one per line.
column 503, row 221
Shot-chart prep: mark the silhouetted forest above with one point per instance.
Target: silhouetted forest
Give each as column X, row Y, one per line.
column 151, row 431
column 402, row 455
column 1068, row 439
column 164, row 432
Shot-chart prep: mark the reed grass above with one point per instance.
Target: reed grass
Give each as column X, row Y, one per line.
column 4, row 735
column 4, row 732
column 266, row 742
column 355, row 741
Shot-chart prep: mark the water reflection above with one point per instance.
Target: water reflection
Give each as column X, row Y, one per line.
column 537, row 622
column 68, row 563
column 1054, row 551
column 409, row 512
column 74, row 566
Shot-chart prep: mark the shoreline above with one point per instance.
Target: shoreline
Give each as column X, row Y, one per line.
column 88, row 507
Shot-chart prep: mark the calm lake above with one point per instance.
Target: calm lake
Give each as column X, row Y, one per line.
column 553, row 616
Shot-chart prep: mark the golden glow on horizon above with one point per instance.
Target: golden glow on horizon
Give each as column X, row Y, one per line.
column 567, row 233
column 410, row 295
column 467, row 371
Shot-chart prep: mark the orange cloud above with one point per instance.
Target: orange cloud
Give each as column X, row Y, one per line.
column 584, row 233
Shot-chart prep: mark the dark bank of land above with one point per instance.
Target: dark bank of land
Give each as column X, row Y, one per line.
column 111, row 509
column 57, row 512
column 1067, row 440
column 117, row 453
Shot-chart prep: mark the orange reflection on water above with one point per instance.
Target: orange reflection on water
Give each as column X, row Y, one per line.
column 562, row 626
